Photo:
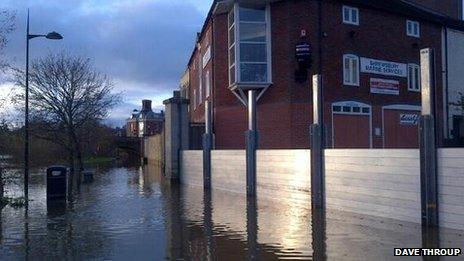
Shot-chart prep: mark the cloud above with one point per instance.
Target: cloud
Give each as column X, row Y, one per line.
column 143, row 45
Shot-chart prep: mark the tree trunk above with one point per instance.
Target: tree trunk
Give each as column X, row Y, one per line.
column 80, row 164
column 2, row 191
column 71, row 173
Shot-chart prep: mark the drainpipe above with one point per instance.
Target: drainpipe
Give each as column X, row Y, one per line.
column 319, row 21
column 446, row 119
column 179, row 109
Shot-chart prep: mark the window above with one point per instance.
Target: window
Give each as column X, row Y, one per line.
column 200, row 91
column 351, row 70
column 232, row 71
column 414, row 78
column 200, row 80
column 350, row 15
column 351, row 107
column 249, row 54
column 412, row 28
column 208, row 84
column 194, row 98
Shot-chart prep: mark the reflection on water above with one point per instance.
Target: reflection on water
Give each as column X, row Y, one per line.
column 131, row 213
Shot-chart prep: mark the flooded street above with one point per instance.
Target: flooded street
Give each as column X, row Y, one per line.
column 130, row 213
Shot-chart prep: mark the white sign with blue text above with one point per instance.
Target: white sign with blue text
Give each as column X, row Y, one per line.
column 383, row 67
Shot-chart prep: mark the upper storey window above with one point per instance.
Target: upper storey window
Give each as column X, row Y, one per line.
column 412, row 28
column 350, row 15
column 249, row 45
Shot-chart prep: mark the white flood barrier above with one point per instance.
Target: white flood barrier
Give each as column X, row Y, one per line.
column 451, row 188
column 382, row 183
column 281, row 174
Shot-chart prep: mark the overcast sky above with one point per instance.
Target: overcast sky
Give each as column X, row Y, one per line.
column 143, row 45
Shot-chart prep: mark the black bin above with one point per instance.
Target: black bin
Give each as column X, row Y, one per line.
column 56, row 182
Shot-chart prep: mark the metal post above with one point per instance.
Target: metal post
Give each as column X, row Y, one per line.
column 251, row 144
column 317, row 148
column 207, row 146
column 252, row 228
column 428, row 149
column 208, row 225
column 26, row 118
column 319, row 234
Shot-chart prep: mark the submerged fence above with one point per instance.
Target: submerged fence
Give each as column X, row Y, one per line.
column 383, row 183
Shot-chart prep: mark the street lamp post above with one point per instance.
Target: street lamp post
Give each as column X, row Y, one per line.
column 51, row 36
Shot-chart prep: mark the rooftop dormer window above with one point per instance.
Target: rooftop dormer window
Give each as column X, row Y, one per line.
column 249, row 45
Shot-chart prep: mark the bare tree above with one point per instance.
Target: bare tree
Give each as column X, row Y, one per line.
column 7, row 25
column 459, row 104
column 66, row 93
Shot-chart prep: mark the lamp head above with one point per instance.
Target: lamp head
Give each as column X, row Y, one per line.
column 54, row 36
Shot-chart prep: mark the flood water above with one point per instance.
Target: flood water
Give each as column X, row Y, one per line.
column 131, row 213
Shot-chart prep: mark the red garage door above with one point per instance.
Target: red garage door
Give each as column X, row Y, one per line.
column 401, row 128
column 351, row 125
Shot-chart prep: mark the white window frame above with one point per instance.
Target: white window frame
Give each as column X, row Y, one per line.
column 412, row 79
column 237, row 42
column 194, row 99
column 229, row 46
column 412, row 33
column 350, row 12
column 200, row 81
column 346, row 81
column 208, row 83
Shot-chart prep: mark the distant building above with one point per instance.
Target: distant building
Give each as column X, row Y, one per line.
column 145, row 122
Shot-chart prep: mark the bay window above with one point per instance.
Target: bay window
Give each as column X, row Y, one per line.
column 249, row 45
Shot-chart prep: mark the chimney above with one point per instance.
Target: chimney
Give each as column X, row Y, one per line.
column 146, row 105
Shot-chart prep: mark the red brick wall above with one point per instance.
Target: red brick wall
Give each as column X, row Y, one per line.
column 284, row 112
column 197, row 115
column 381, row 36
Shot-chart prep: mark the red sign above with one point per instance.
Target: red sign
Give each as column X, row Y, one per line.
column 383, row 86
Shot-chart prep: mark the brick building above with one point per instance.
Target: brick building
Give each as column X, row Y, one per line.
column 144, row 122
column 452, row 8
column 366, row 51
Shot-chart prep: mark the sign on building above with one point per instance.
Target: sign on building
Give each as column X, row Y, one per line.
column 384, row 86
column 409, row 119
column 383, row 67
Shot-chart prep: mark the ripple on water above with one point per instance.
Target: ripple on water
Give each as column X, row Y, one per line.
column 129, row 214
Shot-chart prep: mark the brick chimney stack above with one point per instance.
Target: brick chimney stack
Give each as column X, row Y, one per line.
column 146, row 105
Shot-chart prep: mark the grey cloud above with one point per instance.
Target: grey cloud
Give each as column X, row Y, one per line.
column 143, row 45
